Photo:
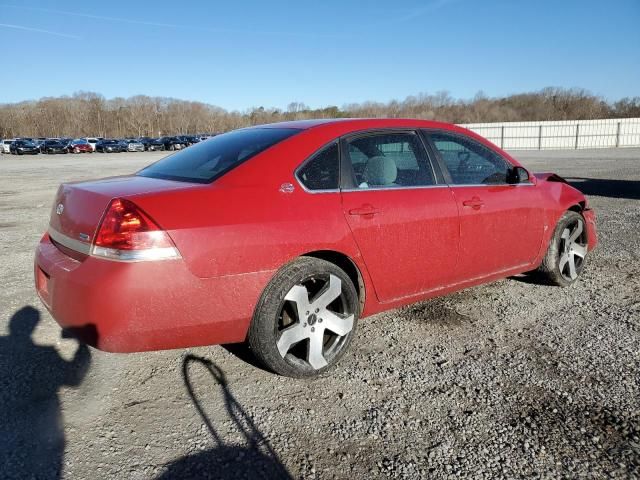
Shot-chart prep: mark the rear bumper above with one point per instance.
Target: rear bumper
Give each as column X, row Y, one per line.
column 129, row 307
column 592, row 233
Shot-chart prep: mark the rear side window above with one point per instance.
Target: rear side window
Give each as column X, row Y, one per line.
column 389, row 160
column 206, row 161
column 321, row 171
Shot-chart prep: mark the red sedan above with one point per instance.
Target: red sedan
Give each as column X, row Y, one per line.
column 80, row 146
column 285, row 235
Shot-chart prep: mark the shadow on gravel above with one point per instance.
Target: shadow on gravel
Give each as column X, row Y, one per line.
column 31, row 429
column 256, row 459
column 629, row 189
column 532, row 278
column 242, row 352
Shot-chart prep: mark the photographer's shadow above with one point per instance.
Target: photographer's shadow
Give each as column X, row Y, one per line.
column 255, row 459
column 31, row 428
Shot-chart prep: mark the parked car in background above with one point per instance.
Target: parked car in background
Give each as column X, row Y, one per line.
column 153, row 145
column 187, row 140
column 144, row 141
column 6, row 145
column 110, row 146
column 92, row 141
column 134, row 145
column 21, row 147
column 53, row 146
column 79, row 145
column 172, row 143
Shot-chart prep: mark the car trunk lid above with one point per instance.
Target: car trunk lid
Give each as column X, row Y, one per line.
column 79, row 207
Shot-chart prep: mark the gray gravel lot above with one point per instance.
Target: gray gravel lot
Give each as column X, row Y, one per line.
column 506, row 380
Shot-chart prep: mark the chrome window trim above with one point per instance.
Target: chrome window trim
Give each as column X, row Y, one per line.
column 399, row 187
column 337, row 190
column 69, row 242
column 416, row 131
column 527, row 184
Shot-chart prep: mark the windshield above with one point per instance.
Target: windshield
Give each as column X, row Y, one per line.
column 204, row 162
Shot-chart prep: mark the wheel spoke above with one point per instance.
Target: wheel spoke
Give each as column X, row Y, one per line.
column 300, row 296
column 563, row 261
column 572, row 267
column 577, row 232
column 565, row 234
column 290, row 337
column 315, row 357
column 332, row 292
column 339, row 326
column 579, row 250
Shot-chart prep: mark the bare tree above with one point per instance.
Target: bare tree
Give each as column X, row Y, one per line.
column 89, row 113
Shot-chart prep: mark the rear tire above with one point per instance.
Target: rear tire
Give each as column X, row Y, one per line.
column 305, row 319
column 567, row 252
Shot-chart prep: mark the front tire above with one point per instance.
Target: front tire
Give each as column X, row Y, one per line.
column 567, row 253
column 306, row 318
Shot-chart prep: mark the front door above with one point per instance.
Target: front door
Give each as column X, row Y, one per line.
column 501, row 224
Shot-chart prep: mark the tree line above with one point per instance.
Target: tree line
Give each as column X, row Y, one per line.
column 90, row 114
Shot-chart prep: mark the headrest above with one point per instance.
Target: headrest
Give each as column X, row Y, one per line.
column 381, row 170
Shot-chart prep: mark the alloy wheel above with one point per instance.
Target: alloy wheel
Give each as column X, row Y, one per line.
column 314, row 322
column 573, row 249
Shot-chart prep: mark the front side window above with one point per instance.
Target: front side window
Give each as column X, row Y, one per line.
column 389, row 160
column 206, row 161
column 469, row 162
column 321, row 171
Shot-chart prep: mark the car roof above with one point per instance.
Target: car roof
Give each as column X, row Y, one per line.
column 358, row 123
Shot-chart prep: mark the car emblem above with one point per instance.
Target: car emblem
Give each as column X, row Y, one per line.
column 287, row 188
column 60, row 209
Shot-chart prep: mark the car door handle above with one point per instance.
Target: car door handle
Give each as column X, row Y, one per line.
column 474, row 203
column 364, row 210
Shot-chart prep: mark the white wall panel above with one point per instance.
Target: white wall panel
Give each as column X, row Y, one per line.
column 570, row 134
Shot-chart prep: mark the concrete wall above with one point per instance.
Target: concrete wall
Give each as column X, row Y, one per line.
column 570, row 134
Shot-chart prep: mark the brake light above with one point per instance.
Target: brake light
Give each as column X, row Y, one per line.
column 127, row 233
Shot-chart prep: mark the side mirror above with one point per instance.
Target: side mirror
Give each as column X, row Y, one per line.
column 518, row 175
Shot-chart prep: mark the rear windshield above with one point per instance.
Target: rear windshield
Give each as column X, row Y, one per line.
column 206, row 161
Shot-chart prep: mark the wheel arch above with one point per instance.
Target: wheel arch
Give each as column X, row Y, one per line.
column 345, row 263
column 578, row 207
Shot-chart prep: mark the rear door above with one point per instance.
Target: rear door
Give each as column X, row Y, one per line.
column 501, row 224
column 404, row 221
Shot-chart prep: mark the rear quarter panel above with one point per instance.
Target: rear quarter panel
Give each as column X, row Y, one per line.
column 243, row 223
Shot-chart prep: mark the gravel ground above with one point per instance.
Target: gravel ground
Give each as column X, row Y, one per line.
column 506, row 380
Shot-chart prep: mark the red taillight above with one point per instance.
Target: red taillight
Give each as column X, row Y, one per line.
column 127, row 233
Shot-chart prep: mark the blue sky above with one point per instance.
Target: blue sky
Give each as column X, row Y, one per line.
column 240, row 54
